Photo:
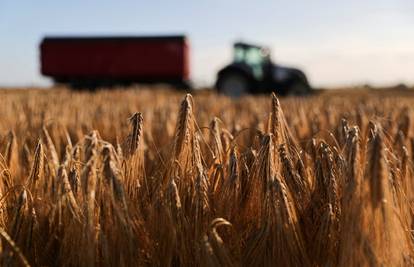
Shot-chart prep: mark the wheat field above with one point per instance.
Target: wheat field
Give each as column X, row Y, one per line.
column 163, row 178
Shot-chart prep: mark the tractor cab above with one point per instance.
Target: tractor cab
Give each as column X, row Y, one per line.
column 252, row 71
column 253, row 56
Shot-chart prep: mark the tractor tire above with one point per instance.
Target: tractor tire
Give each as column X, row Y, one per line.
column 233, row 84
column 298, row 88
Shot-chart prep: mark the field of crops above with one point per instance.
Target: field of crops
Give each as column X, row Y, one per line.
column 161, row 178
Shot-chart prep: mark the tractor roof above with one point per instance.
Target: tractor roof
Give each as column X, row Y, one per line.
column 246, row 45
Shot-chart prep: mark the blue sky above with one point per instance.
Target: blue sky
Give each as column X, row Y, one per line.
column 335, row 42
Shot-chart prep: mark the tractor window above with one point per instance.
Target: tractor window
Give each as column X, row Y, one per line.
column 239, row 54
column 252, row 56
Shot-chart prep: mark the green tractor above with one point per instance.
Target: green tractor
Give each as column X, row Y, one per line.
column 253, row 72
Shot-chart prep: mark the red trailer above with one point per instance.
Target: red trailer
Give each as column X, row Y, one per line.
column 123, row 60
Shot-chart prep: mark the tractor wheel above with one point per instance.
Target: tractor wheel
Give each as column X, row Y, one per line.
column 299, row 88
column 233, row 85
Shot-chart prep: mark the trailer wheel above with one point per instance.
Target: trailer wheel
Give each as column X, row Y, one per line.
column 233, row 85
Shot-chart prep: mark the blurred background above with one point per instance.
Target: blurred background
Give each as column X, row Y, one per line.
column 337, row 43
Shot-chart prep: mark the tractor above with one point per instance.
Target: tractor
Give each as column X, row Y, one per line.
column 253, row 72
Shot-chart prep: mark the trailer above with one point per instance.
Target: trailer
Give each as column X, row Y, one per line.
column 89, row 62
